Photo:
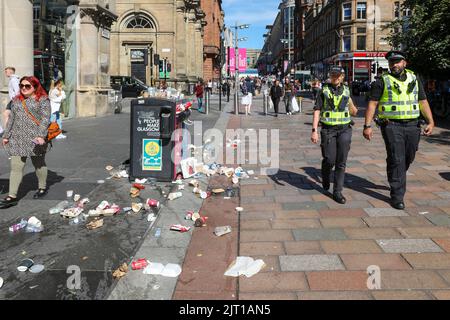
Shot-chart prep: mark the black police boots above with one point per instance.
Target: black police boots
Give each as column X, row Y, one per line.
column 398, row 205
column 339, row 198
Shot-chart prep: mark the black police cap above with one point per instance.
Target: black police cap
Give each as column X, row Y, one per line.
column 336, row 70
column 395, row 55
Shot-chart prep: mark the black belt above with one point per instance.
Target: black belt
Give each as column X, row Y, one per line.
column 336, row 127
column 406, row 123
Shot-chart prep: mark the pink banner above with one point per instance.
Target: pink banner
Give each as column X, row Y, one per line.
column 242, row 59
column 232, row 61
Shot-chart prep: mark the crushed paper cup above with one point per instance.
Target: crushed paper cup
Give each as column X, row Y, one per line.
column 136, row 207
column 171, row 270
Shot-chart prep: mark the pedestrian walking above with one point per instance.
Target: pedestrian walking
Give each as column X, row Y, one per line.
column 57, row 96
column 228, row 89
column 23, row 138
column 400, row 98
column 250, row 94
column 210, row 86
column 288, row 91
column 333, row 109
column 13, row 91
column 276, row 92
column 199, row 94
column 315, row 86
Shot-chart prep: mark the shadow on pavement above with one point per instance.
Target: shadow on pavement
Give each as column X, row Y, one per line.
column 30, row 183
column 445, row 175
column 351, row 182
column 441, row 138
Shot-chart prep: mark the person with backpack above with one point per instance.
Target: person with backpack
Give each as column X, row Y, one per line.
column 25, row 137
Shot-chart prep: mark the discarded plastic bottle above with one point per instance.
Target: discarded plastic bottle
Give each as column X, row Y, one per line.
column 18, row 226
column 32, row 228
column 81, row 218
column 59, row 207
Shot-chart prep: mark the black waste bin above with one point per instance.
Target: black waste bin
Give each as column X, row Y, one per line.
column 153, row 121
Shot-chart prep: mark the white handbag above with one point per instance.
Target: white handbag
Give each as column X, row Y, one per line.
column 294, row 104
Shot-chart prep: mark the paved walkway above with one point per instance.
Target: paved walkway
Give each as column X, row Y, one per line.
column 315, row 248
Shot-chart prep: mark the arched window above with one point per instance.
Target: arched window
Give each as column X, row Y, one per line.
column 140, row 22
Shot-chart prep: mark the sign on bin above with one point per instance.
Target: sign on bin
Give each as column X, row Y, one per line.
column 151, row 155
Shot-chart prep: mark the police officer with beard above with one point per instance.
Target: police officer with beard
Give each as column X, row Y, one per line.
column 400, row 98
column 333, row 109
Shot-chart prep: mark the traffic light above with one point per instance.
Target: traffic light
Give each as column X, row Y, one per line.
column 161, row 65
column 156, row 59
column 169, row 67
column 374, row 67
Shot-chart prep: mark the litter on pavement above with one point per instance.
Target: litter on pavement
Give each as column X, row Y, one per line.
column 120, row 272
column 95, row 224
column 169, row 270
column 179, row 227
column 220, row 231
column 1, row 282
column 245, row 266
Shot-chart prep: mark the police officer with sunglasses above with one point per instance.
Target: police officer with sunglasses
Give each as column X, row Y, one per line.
column 400, row 99
column 333, row 109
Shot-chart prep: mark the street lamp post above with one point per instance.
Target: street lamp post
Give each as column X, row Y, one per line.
column 236, row 59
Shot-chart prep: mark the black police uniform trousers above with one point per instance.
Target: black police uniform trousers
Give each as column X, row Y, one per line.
column 335, row 145
column 402, row 141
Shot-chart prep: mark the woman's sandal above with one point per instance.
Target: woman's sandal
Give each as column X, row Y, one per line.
column 40, row 193
column 8, row 202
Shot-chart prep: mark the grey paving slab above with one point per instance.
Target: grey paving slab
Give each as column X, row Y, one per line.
column 310, row 263
column 439, row 219
column 319, row 234
column 385, row 212
column 408, row 245
column 305, row 205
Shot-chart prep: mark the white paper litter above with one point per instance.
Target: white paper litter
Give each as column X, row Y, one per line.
column 245, row 266
column 140, row 180
column 170, row 270
column 1, row 282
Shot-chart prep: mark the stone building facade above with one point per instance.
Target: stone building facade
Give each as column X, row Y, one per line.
column 173, row 30
column 212, row 39
column 349, row 33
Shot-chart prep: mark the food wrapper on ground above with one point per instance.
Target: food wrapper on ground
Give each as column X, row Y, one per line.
column 134, row 192
column 95, row 224
column 120, row 272
column 136, row 207
column 220, row 231
column 194, row 183
column 179, row 227
column 175, row 195
column 71, row 212
column 217, row 191
column 245, row 266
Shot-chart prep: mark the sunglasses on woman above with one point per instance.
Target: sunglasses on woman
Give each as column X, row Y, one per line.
column 26, row 86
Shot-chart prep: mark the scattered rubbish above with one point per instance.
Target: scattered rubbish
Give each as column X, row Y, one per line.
column 175, row 195
column 153, row 203
column 139, row 264
column 235, row 180
column 69, row 193
column 25, row 265
column 71, row 212
column 32, row 287
column 37, row 268
column 181, row 187
column 220, row 231
column 138, row 186
column 199, row 254
column 79, row 219
column 245, row 266
column 127, row 209
column 59, row 207
column 155, row 287
column 109, row 168
column 170, row 270
column 18, row 226
column 179, row 227
column 120, row 272
column 227, row 198
column 95, row 224
column 239, row 209
column 154, row 268
column 158, row 233
column 200, row 222
column 217, row 191
column 188, row 167
column 76, row 197
column 134, row 192
column 34, row 225
column 84, row 258
column 196, row 190
column 230, row 192
column 136, row 207
column 100, row 181
column 151, row 217
column 204, row 194
column 1, row 282
column 140, row 180
column 424, row 212
column 194, row 183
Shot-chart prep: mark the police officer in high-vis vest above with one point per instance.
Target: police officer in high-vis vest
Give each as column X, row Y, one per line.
column 400, row 99
column 333, row 109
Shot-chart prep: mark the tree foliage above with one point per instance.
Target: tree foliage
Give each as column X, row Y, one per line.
column 424, row 36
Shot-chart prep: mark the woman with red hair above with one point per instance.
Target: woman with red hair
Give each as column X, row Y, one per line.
column 25, row 137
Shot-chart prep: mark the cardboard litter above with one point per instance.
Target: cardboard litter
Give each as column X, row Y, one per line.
column 220, row 231
column 136, row 207
column 120, row 272
column 246, row 266
column 95, row 224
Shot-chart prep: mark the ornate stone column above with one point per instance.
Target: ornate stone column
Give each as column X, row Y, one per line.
column 181, row 42
column 16, row 41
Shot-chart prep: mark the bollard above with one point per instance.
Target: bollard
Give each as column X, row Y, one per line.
column 207, row 102
column 265, row 104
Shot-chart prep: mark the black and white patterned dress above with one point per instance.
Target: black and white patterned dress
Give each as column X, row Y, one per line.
column 21, row 129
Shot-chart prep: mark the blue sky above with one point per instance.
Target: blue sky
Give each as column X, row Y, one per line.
column 257, row 13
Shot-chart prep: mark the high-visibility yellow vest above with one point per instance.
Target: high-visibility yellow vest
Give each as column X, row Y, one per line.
column 400, row 99
column 335, row 110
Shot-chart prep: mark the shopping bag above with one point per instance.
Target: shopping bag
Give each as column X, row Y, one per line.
column 294, row 104
column 270, row 103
